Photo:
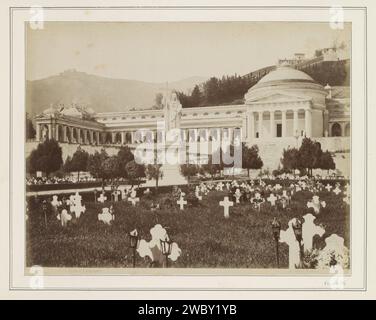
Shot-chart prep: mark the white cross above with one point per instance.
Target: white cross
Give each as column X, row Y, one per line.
column 337, row 190
column 220, row 186
column 102, row 198
column 328, row 187
column 226, row 204
column 181, row 202
column 55, row 202
column 272, row 199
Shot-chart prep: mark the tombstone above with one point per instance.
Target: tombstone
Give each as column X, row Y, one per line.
column 116, row 195
column 334, row 248
column 55, row 202
column 152, row 249
column 133, row 198
column 78, row 209
column 106, row 216
column 181, row 202
column 220, row 186
column 228, row 185
column 316, row 204
column 287, row 236
column 257, row 200
column 237, row 195
column 64, row 217
column 277, row 187
column 309, row 230
column 272, row 199
column 102, row 198
column 226, row 204
column 337, row 190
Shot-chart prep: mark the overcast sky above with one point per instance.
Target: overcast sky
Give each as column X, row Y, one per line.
column 160, row 52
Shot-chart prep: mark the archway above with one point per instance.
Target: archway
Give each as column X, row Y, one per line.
column 60, row 134
column 336, row 130
column 117, row 138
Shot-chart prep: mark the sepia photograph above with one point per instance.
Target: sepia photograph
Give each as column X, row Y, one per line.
column 188, row 145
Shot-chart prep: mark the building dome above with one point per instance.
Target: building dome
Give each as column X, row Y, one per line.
column 284, row 73
column 288, row 83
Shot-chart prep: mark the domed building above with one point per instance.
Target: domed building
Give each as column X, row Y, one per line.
column 287, row 103
column 282, row 108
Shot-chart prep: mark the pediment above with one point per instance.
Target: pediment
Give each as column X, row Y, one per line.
column 278, row 97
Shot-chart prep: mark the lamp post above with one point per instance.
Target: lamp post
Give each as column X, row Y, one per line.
column 134, row 241
column 297, row 227
column 166, row 246
column 44, row 210
column 276, row 229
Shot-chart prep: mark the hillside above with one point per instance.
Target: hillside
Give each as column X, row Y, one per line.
column 102, row 94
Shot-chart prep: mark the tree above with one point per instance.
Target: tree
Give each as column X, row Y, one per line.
column 79, row 161
column 212, row 168
column 96, row 164
column 327, row 162
column 47, row 157
column 290, row 159
column 310, row 155
column 30, row 131
column 135, row 171
column 153, row 171
column 111, row 168
column 188, row 170
column 251, row 158
column 158, row 100
column 124, row 156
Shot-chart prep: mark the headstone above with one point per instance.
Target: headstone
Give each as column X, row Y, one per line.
column 152, row 249
column 337, row 190
column 64, row 217
column 102, row 198
column 237, row 195
column 272, row 199
column 181, row 202
column 133, row 198
column 287, row 236
column 309, row 230
column 55, row 202
column 316, row 204
column 106, row 216
column 220, row 186
column 226, row 204
column 328, row 187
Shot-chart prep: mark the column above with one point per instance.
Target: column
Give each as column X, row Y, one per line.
column 272, row 124
column 295, row 126
column 244, row 128
column 57, row 132
column 260, row 124
column 97, row 138
column 70, row 134
column 38, row 132
column 49, row 131
column 308, row 124
column 78, row 131
column 132, row 137
column 122, row 137
column 64, row 129
column 250, row 124
column 113, row 137
column 91, row 136
column 283, row 123
column 326, row 123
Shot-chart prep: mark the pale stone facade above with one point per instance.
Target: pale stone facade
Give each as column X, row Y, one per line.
column 284, row 106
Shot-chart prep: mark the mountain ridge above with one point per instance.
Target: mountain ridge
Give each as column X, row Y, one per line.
column 102, row 94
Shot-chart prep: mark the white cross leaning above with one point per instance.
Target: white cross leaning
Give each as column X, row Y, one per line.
column 226, row 204
column 102, row 198
column 181, row 202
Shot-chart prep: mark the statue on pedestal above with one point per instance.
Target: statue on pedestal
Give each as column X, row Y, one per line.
column 172, row 111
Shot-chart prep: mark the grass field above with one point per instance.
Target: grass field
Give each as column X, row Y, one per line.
column 206, row 239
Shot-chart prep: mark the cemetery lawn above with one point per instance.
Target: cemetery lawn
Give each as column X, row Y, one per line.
column 206, row 239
